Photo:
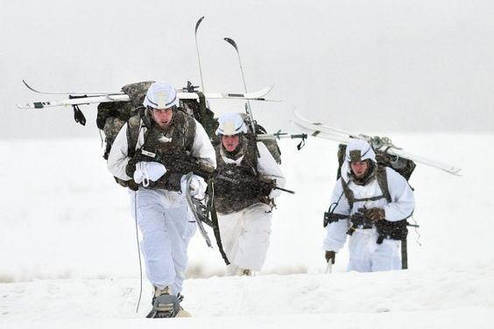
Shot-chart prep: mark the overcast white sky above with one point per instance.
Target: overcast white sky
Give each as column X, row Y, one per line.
column 362, row 65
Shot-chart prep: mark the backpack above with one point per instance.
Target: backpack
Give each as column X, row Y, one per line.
column 112, row 116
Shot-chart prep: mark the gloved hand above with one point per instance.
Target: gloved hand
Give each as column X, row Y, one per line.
column 198, row 186
column 374, row 213
column 266, row 188
column 148, row 171
column 330, row 255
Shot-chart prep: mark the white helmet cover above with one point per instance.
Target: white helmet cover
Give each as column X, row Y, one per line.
column 161, row 95
column 231, row 124
column 359, row 150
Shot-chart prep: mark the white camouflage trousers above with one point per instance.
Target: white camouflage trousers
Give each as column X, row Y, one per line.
column 166, row 225
column 368, row 256
column 245, row 236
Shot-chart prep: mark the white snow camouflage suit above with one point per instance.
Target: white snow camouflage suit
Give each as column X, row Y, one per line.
column 366, row 255
column 163, row 216
column 245, row 232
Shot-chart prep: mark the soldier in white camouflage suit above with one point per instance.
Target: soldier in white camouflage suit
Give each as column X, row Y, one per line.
column 371, row 204
column 244, row 200
column 152, row 152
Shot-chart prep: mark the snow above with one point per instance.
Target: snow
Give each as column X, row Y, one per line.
column 68, row 254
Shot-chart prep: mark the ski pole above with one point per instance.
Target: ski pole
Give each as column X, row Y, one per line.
column 279, row 135
column 329, row 267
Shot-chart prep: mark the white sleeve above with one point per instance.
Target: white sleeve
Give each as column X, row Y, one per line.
column 118, row 159
column 336, row 231
column 402, row 199
column 269, row 168
column 202, row 149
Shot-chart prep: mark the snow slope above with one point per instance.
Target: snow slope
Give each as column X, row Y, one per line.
column 68, row 248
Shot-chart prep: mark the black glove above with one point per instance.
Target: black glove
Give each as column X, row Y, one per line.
column 169, row 181
column 374, row 214
column 131, row 165
column 330, row 255
column 266, row 187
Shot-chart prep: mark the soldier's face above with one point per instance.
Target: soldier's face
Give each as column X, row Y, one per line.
column 359, row 168
column 230, row 143
column 163, row 117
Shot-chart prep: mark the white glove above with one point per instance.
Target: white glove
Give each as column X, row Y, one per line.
column 198, row 186
column 148, row 171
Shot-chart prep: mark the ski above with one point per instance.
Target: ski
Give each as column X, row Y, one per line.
column 248, row 108
column 28, row 86
column 383, row 144
column 83, row 100
column 198, row 54
column 121, row 97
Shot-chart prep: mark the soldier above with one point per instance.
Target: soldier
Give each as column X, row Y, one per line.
column 371, row 204
column 151, row 153
column 244, row 194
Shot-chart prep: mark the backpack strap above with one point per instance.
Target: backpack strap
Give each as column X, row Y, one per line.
column 134, row 126
column 190, row 132
column 348, row 193
column 251, row 158
column 382, row 180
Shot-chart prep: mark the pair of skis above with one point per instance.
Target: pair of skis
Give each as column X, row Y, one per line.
column 384, row 144
column 248, row 108
column 84, row 98
column 232, row 42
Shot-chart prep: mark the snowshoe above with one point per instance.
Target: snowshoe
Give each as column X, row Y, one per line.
column 165, row 305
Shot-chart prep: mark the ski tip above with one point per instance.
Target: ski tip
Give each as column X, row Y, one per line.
column 28, row 86
column 267, row 90
column 231, row 42
column 454, row 171
column 198, row 23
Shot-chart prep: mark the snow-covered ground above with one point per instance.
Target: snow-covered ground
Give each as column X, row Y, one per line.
column 68, row 255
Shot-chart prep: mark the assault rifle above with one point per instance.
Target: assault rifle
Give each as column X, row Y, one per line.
column 358, row 220
column 253, row 183
column 385, row 229
column 183, row 165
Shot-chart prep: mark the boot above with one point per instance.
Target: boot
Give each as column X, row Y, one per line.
column 244, row 272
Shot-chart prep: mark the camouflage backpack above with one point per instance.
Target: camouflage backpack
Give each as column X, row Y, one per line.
column 112, row 116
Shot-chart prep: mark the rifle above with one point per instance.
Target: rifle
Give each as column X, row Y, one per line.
column 358, row 220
